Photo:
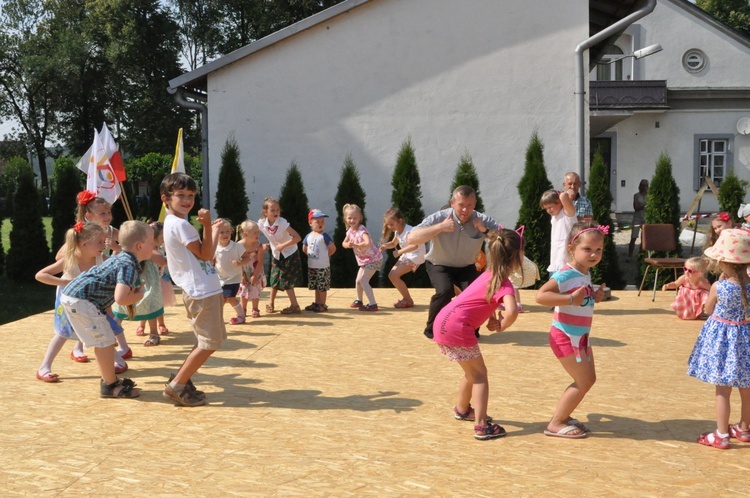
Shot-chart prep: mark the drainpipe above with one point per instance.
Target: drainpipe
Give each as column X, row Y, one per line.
column 580, row 91
column 180, row 97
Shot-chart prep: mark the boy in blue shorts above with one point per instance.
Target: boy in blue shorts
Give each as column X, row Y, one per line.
column 87, row 298
column 189, row 262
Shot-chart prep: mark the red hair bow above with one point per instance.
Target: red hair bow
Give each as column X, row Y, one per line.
column 85, row 197
column 724, row 216
column 78, row 227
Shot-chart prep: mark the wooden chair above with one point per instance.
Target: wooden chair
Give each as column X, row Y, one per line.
column 659, row 237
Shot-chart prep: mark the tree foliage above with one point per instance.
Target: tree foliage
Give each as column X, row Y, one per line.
column 9, row 180
column 343, row 263
column 533, row 184
column 732, row 194
column 608, row 270
column 231, row 200
column 28, row 251
column 733, row 13
column 295, row 206
column 67, row 181
column 466, row 174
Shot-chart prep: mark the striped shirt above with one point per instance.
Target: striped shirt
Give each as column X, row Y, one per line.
column 97, row 284
column 574, row 321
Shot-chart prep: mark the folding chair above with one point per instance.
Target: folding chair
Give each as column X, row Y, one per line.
column 659, row 237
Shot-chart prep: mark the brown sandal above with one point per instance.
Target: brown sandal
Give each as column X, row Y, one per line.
column 291, row 310
column 269, row 309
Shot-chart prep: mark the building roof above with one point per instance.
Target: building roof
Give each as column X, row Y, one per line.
column 602, row 13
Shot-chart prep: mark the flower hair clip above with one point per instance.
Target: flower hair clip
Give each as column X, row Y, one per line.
column 724, row 216
column 78, row 227
column 85, row 197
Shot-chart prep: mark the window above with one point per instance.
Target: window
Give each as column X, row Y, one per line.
column 610, row 71
column 694, row 60
column 713, row 158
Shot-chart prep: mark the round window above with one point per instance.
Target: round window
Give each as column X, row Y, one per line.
column 694, row 60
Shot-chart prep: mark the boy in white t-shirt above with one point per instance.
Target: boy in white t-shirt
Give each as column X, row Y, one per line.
column 319, row 247
column 189, row 261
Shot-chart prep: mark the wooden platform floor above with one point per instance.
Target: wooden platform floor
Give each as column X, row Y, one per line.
column 349, row 403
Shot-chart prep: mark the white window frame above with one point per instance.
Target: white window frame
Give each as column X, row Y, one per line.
column 712, row 157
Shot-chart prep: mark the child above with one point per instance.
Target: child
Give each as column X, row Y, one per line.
column 744, row 213
column 721, row 355
column 570, row 291
column 319, row 247
column 189, row 261
column 253, row 278
column 368, row 256
column 560, row 207
column 454, row 327
column 718, row 223
column 693, row 290
column 83, row 248
column 286, row 268
column 410, row 256
column 97, row 210
column 88, row 296
column 151, row 306
column 229, row 259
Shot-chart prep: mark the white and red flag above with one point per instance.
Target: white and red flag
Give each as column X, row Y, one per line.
column 100, row 175
column 113, row 153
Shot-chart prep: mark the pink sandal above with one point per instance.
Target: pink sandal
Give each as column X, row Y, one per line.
column 140, row 331
column 404, row 303
column 721, row 443
column 740, row 435
column 255, row 314
column 163, row 330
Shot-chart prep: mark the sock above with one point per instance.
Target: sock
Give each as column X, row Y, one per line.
column 240, row 312
column 721, row 435
column 176, row 387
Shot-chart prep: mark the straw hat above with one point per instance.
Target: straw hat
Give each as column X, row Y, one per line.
column 733, row 246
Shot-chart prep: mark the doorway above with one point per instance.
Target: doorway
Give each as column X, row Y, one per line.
column 607, row 144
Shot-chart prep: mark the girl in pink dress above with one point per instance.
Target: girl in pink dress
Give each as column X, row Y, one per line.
column 692, row 293
column 454, row 326
column 369, row 257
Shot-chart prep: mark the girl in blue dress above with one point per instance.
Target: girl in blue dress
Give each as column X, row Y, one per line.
column 721, row 355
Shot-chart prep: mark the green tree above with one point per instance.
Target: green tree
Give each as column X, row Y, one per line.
column 12, row 172
column 733, row 13
column 732, row 194
column 28, row 251
column 406, row 196
column 608, row 270
column 67, row 181
column 294, row 207
column 343, row 263
column 198, row 22
column 466, row 174
column 231, row 200
column 2, row 249
column 662, row 206
column 533, row 184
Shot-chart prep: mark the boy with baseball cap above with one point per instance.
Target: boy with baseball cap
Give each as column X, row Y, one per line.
column 319, row 247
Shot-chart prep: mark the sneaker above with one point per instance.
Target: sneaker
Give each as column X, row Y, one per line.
column 184, row 397
column 312, row 307
column 369, row 307
column 356, row 304
column 190, row 386
column 428, row 334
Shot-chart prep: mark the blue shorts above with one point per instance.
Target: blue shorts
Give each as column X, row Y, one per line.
column 230, row 290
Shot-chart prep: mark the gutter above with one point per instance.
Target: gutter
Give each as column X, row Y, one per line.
column 580, row 90
column 197, row 104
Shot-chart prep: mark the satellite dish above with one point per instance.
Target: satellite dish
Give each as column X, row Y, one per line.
column 743, row 126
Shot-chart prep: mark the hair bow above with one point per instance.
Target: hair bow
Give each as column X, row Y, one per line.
column 724, row 216
column 78, row 226
column 604, row 229
column 85, row 197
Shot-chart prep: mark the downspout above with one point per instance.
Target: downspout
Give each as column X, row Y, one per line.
column 179, row 96
column 580, row 91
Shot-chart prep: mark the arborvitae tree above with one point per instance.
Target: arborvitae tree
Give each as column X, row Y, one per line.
column 662, row 206
column 67, row 181
column 343, row 263
column 2, row 249
column 9, row 180
column 231, row 200
column 28, row 251
column 294, row 207
column 406, row 196
column 732, row 194
column 466, row 174
column 608, row 270
column 533, row 184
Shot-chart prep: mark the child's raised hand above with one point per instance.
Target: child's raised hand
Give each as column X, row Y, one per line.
column 599, row 293
column 579, row 295
column 204, row 217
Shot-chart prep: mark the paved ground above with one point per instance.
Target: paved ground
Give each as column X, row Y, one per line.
column 350, row 403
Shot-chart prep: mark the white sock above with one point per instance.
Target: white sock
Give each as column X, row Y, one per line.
column 240, row 312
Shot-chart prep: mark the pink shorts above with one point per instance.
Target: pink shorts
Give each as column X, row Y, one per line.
column 460, row 353
column 561, row 345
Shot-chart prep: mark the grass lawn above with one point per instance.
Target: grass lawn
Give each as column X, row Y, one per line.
column 19, row 300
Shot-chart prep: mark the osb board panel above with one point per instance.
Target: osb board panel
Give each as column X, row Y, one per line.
column 347, row 403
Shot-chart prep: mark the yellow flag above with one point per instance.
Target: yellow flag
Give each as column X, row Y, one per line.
column 178, row 166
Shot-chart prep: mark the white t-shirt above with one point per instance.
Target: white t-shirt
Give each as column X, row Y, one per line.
column 416, row 256
column 317, row 249
column 196, row 278
column 561, row 225
column 277, row 234
column 229, row 273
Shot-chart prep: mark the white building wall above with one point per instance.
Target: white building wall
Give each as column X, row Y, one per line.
column 475, row 76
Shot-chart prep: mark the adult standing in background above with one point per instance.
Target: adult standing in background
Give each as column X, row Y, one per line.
column 639, row 214
column 584, row 210
column 456, row 235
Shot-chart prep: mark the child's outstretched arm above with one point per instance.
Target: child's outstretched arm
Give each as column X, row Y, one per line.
column 125, row 296
column 549, row 295
column 674, row 285
column 566, row 198
column 47, row 275
column 391, row 244
column 205, row 250
column 708, row 308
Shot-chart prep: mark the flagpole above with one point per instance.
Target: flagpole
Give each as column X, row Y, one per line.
column 125, row 204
